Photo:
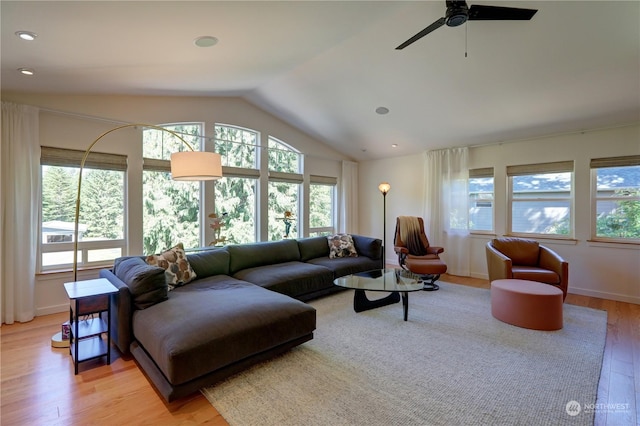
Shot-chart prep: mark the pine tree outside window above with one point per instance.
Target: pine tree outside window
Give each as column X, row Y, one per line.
column 101, row 236
column 171, row 209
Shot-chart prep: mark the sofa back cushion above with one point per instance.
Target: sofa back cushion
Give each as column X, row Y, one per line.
column 147, row 284
column 521, row 251
column 312, row 248
column 367, row 246
column 211, row 262
column 245, row 256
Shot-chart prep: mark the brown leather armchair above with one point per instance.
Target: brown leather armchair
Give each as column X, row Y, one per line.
column 414, row 252
column 526, row 259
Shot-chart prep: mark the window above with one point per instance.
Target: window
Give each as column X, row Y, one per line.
column 615, row 189
column 283, row 209
column 283, row 158
column 321, row 205
column 284, row 165
column 541, row 199
column 236, row 146
column 101, row 229
column 481, row 199
column 235, row 200
column 171, row 208
column 235, row 194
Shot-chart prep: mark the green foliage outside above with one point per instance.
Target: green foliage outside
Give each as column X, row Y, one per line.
column 102, row 198
column 171, row 212
column 236, row 198
column 283, row 197
column 170, row 208
column 320, row 206
column 624, row 220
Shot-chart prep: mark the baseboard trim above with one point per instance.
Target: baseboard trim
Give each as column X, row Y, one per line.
column 605, row 295
column 55, row 309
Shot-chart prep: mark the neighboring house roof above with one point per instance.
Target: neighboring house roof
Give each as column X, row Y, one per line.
column 61, row 226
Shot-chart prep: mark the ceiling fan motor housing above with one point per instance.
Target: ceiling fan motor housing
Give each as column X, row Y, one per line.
column 457, row 13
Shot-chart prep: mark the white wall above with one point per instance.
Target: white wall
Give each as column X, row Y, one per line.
column 610, row 271
column 73, row 131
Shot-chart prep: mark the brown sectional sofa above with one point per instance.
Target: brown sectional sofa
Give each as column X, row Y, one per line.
column 245, row 306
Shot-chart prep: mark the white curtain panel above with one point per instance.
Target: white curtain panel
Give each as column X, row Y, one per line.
column 19, row 211
column 348, row 206
column 446, row 210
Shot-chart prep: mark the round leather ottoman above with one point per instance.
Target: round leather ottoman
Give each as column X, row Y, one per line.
column 527, row 304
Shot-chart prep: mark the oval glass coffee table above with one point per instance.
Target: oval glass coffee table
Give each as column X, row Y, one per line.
column 395, row 281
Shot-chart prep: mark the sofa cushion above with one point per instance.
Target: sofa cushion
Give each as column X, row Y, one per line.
column 341, row 245
column 369, row 247
column 147, row 284
column 292, row 278
column 531, row 273
column 521, row 251
column 228, row 321
column 347, row 265
column 245, row 256
column 313, row 247
column 178, row 271
column 210, row 262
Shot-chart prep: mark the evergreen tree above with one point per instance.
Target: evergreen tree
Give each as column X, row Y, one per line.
column 59, row 194
column 102, row 204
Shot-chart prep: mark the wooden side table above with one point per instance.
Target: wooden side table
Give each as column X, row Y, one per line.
column 88, row 298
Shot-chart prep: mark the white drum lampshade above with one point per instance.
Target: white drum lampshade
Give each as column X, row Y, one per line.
column 195, row 165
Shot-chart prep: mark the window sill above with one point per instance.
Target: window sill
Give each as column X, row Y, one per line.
column 482, row 234
column 615, row 244
column 51, row 272
column 546, row 238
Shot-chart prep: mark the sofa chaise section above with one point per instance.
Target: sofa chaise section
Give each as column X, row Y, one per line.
column 213, row 325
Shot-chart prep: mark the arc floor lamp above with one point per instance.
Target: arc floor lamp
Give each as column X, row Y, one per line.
column 188, row 165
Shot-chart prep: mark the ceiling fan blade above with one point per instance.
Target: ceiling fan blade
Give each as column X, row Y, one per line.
column 499, row 13
column 440, row 22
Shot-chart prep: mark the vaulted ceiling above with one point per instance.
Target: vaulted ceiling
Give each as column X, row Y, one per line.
column 326, row 66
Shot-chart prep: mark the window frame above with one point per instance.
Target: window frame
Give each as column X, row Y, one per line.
column 485, row 172
column 601, row 163
column 72, row 158
column 162, row 165
column 541, row 169
column 331, row 182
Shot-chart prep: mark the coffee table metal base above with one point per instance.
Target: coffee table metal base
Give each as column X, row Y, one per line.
column 362, row 303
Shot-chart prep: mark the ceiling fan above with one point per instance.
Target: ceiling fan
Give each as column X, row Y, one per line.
column 458, row 13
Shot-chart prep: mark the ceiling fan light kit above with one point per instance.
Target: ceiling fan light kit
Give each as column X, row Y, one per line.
column 458, row 13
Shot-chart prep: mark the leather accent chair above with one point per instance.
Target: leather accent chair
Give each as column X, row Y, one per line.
column 415, row 253
column 525, row 259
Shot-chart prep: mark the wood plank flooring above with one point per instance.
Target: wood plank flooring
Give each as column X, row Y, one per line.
column 38, row 387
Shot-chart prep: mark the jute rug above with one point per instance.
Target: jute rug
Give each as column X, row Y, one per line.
column 452, row 363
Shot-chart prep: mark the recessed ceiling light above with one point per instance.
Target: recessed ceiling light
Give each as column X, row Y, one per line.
column 205, row 41
column 394, row 145
column 26, row 71
column 382, row 110
column 26, row 35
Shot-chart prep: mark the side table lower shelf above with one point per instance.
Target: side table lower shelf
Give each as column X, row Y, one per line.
column 91, row 344
column 93, row 347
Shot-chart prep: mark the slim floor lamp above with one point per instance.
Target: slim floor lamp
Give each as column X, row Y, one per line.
column 185, row 166
column 384, row 187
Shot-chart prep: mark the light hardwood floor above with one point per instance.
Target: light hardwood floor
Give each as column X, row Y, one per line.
column 38, row 386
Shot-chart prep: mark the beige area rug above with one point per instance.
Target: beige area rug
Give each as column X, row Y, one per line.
column 452, row 363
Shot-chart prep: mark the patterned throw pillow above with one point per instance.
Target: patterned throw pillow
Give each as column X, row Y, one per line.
column 341, row 245
column 177, row 269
